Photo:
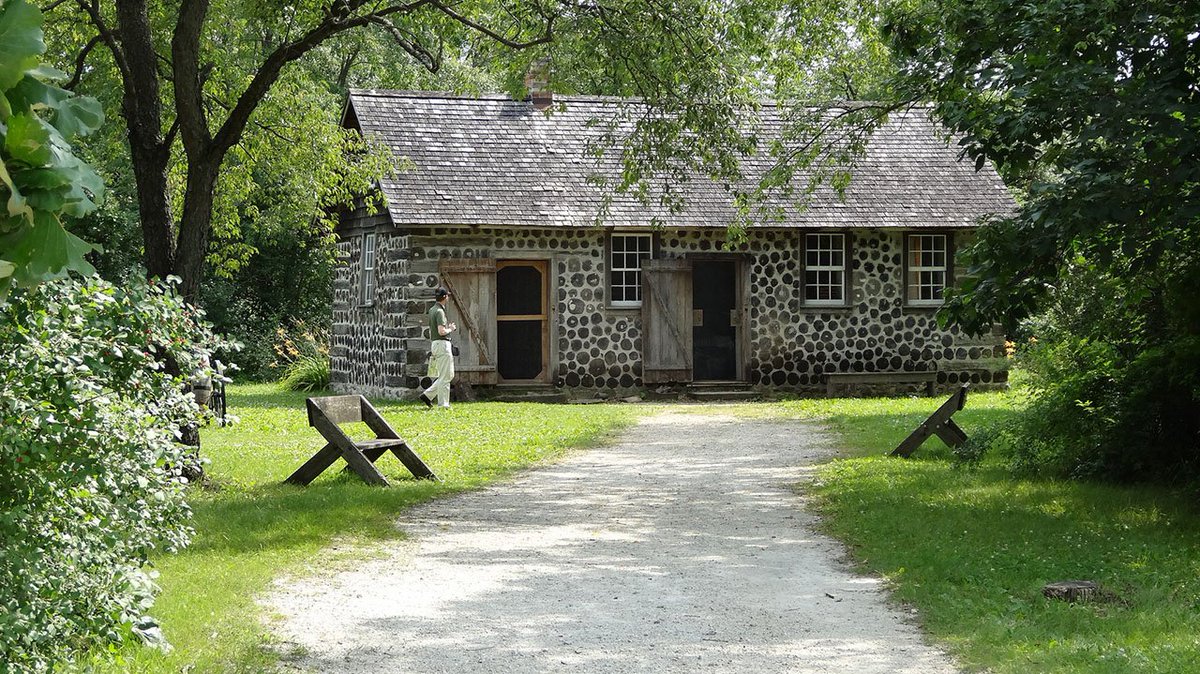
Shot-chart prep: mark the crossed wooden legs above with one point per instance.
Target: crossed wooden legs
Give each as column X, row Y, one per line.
column 361, row 458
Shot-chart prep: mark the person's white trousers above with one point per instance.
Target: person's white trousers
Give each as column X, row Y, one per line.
column 442, row 361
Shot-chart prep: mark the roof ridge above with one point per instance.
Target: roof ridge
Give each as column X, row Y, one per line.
column 593, row 98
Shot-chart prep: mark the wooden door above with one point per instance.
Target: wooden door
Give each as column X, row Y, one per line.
column 523, row 321
column 666, row 321
column 472, row 305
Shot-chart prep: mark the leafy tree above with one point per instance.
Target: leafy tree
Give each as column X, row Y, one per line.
column 198, row 79
column 1093, row 107
column 41, row 180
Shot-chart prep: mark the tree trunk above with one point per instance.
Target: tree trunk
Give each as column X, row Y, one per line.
column 195, row 224
column 141, row 105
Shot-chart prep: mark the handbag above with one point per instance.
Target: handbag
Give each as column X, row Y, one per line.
column 453, row 349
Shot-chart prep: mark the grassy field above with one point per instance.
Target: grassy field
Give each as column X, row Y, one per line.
column 968, row 548
column 251, row 529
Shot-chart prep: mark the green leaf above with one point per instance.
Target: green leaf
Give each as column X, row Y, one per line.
column 28, row 140
column 41, row 179
column 47, row 73
column 46, row 250
column 33, row 93
column 16, row 201
column 20, row 41
column 78, row 116
column 85, row 187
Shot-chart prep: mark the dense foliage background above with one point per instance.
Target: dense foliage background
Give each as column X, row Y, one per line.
column 1091, row 109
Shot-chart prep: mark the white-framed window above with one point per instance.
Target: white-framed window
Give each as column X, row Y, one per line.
column 927, row 262
column 625, row 254
column 367, row 289
column 825, row 269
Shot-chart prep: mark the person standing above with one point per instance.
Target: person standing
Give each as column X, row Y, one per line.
column 440, row 352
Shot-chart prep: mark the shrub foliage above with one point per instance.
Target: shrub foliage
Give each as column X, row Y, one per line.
column 90, row 463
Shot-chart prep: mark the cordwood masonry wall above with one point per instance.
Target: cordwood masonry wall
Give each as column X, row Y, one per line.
column 382, row 349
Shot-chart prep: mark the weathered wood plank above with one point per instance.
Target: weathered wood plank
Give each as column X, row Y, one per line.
column 316, row 465
column 472, row 286
column 414, row 464
column 835, row 379
column 667, row 321
column 337, row 409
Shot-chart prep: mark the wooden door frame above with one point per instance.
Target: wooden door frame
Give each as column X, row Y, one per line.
column 741, row 298
column 547, row 316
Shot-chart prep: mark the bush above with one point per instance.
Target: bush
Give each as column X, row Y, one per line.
column 304, row 355
column 90, row 465
column 1114, row 373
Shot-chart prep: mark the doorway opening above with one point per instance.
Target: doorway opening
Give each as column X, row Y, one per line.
column 522, row 321
column 715, row 320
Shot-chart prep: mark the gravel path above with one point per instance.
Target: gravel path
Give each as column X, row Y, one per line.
column 680, row 548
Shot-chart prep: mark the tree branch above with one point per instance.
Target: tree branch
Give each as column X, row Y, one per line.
column 429, row 60
column 544, row 38
column 338, row 19
column 81, row 61
column 105, row 33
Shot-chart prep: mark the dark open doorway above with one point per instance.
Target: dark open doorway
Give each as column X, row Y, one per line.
column 522, row 321
column 714, row 320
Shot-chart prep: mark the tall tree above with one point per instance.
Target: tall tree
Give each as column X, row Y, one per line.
column 1093, row 108
column 196, row 76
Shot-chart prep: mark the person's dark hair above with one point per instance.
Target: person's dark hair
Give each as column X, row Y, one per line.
column 440, row 294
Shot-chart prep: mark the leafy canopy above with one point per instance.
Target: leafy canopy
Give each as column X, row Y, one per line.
column 1092, row 109
column 1091, row 106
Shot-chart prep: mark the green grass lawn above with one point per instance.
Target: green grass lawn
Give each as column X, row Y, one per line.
column 252, row 529
column 969, row 548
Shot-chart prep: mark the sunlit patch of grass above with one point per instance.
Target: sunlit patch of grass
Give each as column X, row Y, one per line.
column 972, row 548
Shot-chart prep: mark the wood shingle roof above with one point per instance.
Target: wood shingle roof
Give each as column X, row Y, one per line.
column 495, row 161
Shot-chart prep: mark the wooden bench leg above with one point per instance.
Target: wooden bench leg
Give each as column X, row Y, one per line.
column 365, row 469
column 316, row 465
column 413, row 463
column 950, row 433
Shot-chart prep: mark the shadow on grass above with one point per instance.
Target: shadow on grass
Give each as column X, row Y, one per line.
column 281, row 516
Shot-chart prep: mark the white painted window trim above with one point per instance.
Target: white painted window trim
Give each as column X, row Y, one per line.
column 911, row 297
column 840, row 249
column 366, row 295
column 647, row 254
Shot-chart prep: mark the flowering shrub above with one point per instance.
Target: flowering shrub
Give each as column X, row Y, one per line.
column 90, row 463
column 304, row 355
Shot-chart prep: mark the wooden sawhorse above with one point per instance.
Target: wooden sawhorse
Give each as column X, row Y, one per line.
column 939, row 423
column 324, row 414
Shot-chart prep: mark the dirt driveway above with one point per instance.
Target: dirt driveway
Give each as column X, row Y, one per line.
column 682, row 547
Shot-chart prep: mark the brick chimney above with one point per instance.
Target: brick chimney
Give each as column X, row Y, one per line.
column 537, row 83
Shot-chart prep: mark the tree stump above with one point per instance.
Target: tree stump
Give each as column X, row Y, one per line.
column 1072, row 590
